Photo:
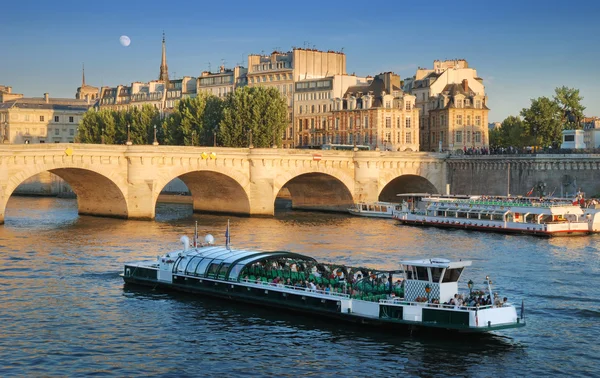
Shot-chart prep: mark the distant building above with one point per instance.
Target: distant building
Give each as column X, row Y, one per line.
column 281, row 70
column 163, row 93
column 457, row 119
column 6, row 94
column 590, row 123
column 377, row 114
column 313, row 106
column 223, row 82
column 41, row 120
column 428, row 84
column 86, row 92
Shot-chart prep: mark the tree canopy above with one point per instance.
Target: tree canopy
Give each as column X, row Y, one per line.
column 542, row 122
column 510, row 134
column 202, row 120
column 571, row 110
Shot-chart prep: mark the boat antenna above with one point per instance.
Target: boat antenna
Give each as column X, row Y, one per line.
column 196, row 236
column 227, row 236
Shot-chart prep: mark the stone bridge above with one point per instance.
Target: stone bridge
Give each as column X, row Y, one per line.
column 125, row 181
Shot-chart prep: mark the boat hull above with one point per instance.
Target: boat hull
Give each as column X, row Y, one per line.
column 493, row 228
column 265, row 295
column 370, row 214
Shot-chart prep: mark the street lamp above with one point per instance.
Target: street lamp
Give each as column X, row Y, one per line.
column 155, row 143
column 428, row 291
column 193, row 136
column 102, row 136
column 250, row 145
column 215, row 137
column 77, row 134
column 128, row 136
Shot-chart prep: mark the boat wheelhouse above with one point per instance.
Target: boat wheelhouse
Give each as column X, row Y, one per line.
column 373, row 209
column 524, row 215
column 420, row 294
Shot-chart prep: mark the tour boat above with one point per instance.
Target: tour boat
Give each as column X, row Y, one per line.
column 373, row 209
column 523, row 215
column 419, row 295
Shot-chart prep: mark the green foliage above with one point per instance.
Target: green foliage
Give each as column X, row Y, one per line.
column 511, row 133
column 542, row 122
column 195, row 121
column 257, row 109
column 571, row 110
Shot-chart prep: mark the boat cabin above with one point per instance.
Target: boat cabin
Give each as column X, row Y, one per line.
column 432, row 279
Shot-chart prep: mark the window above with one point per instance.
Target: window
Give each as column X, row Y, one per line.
column 366, row 124
column 442, row 120
column 351, row 122
column 407, row 122
column 459, row 103
column 407, row 105
column 398, row 122
column 408, row 138
column 468, row 137
column 57, row 131
column 55, row 118
column 459, row 120
column 478, row 104
column 452, row 275
column 337, row 123
column 299, row 125
column 398, row 138
column 477, row 120
column 459, row 137
column 477, row 136
column 312, row 109
column 388, row 122
column 71, row 119
column 72, row 132
column 41, row 118
column 388, row 104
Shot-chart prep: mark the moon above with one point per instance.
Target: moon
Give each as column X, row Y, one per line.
column 125, row 41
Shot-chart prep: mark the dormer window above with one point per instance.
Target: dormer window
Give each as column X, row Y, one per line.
column 459, row 103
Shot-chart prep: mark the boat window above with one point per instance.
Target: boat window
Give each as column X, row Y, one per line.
column 191, row 268
column 436, row 274
column 452, row 275
column 223, row 270
column 364, row 207
column 213, row 268
column 239, row 255
column 383, row 208
column 422, row 273
column 235, row 271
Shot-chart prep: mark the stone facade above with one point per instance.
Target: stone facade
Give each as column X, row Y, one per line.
column 41, row 120
column 125, row 181
column 428, row 84
column 281, row 70
column 223, row 82
column 378, row 115
column 458, row 119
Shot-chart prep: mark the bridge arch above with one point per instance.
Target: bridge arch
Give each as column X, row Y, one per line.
column 99, row 191
column 216, row 191
column 408, row 183
column 316, row 191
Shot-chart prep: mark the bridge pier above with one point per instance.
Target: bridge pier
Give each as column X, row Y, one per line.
column 366, row 180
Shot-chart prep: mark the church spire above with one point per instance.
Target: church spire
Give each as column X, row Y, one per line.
column 82, row 75
column 164, row 70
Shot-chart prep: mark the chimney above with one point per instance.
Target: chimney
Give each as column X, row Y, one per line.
column 465, row 84
column 46, row 97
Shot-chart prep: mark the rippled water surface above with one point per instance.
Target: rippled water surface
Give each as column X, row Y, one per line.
column 66, row 312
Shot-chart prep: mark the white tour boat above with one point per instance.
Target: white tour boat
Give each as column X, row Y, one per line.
column 419, row 295
column 373, row 209
column 523, row 215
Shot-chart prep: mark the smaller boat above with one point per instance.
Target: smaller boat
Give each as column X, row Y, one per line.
column 522, row 215
column 373, row 209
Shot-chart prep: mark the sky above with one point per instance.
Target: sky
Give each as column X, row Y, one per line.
column 522, row 49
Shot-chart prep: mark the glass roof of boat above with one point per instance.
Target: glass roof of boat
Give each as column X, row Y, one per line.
column 221, row 262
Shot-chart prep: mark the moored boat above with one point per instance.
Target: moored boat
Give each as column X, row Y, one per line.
column 522, row 215
column 373, row 209
column 420, row 294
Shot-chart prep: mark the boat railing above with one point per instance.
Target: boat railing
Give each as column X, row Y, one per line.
column 294, row 289
column 400, row 302
column 506, row 203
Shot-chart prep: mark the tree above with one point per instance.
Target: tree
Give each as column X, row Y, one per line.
column 96, row 126
column 259, row 110
column 511, row 133
column 542, row 122
column 571, row 110
column 193, row 121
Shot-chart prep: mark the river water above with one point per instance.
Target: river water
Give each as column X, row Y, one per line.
column 66, row 312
